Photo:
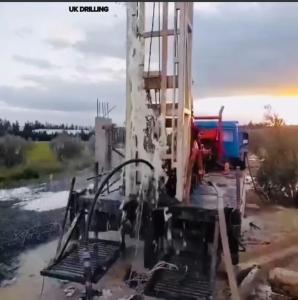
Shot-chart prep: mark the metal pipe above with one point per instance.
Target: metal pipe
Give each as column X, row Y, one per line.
column 112, row 108
column 95, row 177
column 238, row 187
column 206, row 117
column 118, row 152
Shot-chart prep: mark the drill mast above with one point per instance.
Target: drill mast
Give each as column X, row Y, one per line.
column 159, row 98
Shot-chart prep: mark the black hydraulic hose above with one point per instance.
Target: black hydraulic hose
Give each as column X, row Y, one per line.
column 104, row 182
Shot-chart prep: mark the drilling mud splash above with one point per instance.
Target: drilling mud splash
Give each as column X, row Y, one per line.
column 35, row 198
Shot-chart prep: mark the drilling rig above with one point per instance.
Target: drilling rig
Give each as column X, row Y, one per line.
column 186, row 215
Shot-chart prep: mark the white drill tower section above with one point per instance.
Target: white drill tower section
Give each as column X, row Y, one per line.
column 160, row 130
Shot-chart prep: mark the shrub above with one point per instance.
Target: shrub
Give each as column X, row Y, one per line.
column 256, row 140
column 67, row 147
column 12, row 150
column 278, row 173
column 27, row 173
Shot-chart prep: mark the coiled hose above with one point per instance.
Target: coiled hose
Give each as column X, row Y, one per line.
column 105, row 181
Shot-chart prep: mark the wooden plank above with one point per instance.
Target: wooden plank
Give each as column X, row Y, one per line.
column 187, row 111
column 169, row 108
column 157, row 33
column 151, row 74
column 169, row 105
column 182, row 151
column 154, row 82
column 225, row 245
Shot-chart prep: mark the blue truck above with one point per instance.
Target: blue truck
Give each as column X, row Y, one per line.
column 234, row 140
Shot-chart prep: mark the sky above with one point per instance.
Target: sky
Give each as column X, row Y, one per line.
column 55, row 64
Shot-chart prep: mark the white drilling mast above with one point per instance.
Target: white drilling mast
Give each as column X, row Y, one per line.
column 165, row 122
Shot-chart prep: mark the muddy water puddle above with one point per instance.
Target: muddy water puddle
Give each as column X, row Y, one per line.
column 44, row 196
column 27, row 283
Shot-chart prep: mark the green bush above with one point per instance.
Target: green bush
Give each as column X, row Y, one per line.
column 30, row 173
column 27, row 173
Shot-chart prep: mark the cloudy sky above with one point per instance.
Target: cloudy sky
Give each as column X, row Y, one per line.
column 54, row 64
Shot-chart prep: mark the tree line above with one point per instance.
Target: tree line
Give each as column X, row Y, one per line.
column 28, row 130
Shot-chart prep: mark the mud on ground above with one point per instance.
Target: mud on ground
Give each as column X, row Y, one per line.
column 273, row 243
column 22, row 229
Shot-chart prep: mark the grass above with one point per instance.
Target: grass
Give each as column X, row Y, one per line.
column 40, row 161
column 41, row 157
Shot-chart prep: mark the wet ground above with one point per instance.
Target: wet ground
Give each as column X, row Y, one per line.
column 31, row 215
column 27, row 284
column 51, row 194
column 274, row 238
column 272, row 243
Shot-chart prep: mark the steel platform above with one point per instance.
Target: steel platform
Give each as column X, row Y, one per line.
column 190, row 282
column 103, row 254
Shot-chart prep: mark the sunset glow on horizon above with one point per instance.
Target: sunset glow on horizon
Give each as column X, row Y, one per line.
column 290, row 92
column 250, row 108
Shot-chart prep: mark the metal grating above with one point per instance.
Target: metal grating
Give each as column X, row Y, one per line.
column 174, row 285
column 103, row 254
